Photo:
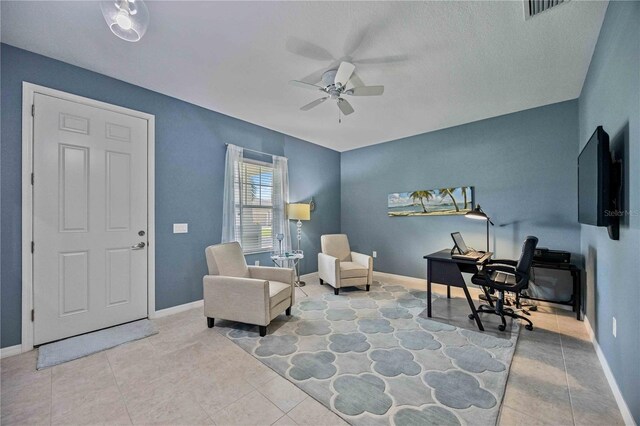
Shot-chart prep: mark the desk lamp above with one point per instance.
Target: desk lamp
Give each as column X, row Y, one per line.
column 479, row 214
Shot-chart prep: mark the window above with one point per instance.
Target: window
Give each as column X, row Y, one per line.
column 253, row 186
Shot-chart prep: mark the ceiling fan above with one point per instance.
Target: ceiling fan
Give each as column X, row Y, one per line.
column 334, row 85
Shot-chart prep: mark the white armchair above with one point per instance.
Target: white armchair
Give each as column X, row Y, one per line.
column 341, row 267
column 248, row 294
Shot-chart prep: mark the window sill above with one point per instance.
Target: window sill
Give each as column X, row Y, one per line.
column 247, row 253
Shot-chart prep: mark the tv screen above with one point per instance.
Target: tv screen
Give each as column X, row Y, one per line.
column 594, row 164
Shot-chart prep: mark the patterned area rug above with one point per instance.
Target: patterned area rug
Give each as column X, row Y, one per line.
column 373, row 360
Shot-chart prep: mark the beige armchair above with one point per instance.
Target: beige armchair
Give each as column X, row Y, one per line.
column 248, row 294
column 341, row 267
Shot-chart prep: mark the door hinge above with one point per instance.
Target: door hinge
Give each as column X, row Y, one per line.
column 33, row 315
column 33, row 110
column 33, row 246
column 32, row 178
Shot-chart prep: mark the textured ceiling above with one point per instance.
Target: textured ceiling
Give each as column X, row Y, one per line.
column 442, row 63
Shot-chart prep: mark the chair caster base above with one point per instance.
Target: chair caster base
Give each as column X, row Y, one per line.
column 210, row 322
column 529, row 327
column 263, row 330
column 470, row 316
column 502, row 327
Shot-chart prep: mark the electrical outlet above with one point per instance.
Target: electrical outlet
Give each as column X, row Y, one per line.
column 375, row 253
column 615, row 327
column 257, row 263
column 180, row 228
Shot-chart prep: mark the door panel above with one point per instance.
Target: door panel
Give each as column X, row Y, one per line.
column 89, row 203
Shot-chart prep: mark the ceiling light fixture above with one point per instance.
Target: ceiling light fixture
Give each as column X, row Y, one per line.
column 128, row 19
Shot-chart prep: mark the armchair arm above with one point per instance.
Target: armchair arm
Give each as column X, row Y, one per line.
column 284, row 275
column 329, row 269
column 236, row 299
column 366, row 261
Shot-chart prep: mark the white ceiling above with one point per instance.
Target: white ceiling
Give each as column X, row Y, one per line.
column 443, row 63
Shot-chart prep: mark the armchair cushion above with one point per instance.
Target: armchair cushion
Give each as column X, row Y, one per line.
column 336, row 245
column 352, row 270
column 278, row 292
column 227, row 259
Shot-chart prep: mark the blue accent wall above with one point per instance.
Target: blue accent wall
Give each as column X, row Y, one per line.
column 611, row 98
column 522, row 165
column 190, row 155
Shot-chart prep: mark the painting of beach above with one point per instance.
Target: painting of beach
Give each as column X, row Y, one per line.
column 431, row 202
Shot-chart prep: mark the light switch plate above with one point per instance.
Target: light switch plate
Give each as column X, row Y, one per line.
column 375, row 253
column 180, row 228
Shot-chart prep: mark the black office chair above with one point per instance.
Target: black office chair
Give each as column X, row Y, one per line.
column 506, row 276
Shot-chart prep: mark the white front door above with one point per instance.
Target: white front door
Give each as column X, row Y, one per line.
column 89, row 218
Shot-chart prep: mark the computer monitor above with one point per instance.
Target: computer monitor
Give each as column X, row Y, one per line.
column 459, row 242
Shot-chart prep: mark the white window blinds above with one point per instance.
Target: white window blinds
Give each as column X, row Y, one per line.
column 253, row 187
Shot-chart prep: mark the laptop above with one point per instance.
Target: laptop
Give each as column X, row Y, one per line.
column 463, row 251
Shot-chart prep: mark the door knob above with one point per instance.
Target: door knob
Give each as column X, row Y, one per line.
column 138, row 246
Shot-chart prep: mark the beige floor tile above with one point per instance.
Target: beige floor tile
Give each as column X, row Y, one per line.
column 105, row 406
column 252, row 409
column 165, row 400
column 27, row 404
column 215, row 387
column 311, row 412
column 595, row 407
column 284, row 394
column 20, row 370
column 285, row 421
column 531, row 381
column 512, row 417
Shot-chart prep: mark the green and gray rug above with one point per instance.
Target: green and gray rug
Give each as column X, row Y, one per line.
column 372, row 359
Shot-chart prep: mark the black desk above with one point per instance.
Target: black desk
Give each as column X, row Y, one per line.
column 443, row 269
column 576, row 298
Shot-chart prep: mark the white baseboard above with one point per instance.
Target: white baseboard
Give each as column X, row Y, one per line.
column 177, row 309
column 622, row 405
column 10, row 351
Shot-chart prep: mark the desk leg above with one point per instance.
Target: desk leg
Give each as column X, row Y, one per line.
column 577, row 294
column 448, row 292
column 473, row 308
column 429, row 288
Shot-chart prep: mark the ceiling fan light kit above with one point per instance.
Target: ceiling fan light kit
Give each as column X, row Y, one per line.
column 127, row 19
column 334, row 85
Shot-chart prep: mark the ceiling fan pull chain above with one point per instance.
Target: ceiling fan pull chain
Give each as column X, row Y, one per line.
column 339, row 118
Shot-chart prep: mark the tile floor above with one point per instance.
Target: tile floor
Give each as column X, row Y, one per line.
column 188, row 374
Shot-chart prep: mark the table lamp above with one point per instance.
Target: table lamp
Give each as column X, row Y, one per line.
column 479, row 214
column 299, row 212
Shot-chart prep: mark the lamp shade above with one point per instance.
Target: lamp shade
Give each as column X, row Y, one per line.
column 299, row 211
column 476, row 213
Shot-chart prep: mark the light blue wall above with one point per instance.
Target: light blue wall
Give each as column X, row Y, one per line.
column 611, row 98
column 523, row 167
column 189, row 177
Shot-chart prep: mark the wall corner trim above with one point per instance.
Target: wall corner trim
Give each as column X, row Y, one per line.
column 10, row 351
column 622, row 405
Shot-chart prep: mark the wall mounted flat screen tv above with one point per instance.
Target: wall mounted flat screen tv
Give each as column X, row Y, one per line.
column 594, row 180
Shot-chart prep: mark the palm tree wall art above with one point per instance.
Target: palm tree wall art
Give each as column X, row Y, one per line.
column 431, row 202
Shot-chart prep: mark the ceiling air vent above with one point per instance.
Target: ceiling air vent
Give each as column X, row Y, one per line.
column 533, row 7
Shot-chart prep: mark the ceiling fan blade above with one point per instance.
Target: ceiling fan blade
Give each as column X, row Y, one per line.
column 313, row 104
column 345, row 106
column 344, row 73
column 307, row 49
column 304, row 85
column 356, row 81
column 366, row 91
